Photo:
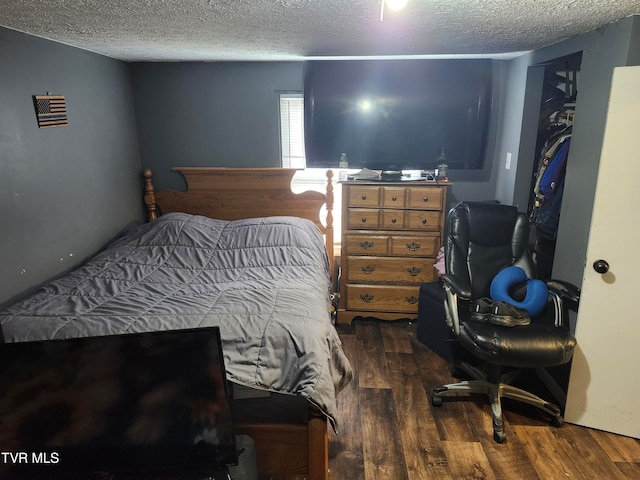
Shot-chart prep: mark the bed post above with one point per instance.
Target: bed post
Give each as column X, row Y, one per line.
column 318, row 445
column 329, row 227
column 149, row 195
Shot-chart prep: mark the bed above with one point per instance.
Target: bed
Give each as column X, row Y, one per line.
column 238, row 250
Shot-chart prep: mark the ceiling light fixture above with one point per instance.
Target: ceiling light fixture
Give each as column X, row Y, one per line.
column 393, row 5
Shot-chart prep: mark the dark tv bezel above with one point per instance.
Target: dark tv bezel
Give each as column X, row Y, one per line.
column 476, row 146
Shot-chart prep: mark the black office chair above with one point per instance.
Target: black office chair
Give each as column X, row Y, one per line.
column 481, row 240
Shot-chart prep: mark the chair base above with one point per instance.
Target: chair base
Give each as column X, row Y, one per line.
column 495, row 391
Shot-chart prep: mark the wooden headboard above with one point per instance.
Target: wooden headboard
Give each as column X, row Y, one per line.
column 237, row 193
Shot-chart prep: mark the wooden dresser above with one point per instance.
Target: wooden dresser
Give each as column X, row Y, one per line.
column 391, row 234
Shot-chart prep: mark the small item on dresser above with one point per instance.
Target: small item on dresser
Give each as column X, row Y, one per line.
column 343, row 165
column 442, row 170
column 366, row 174
column 391, row 175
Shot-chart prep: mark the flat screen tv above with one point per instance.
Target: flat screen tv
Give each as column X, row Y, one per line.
column 147, row 405
column 397, row 114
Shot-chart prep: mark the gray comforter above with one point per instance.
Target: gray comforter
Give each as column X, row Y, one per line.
column 264, row 282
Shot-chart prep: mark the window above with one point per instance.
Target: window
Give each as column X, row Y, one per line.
column 292, row 156
column 292, row 130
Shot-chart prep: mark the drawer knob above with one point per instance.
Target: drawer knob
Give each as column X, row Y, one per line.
column 425, row 199
column 414, row 271
column 394, row 198
column 364, row 219
column 366, row 298
column 414, row 246
column 424, row 221
column 366, row 245
column 393, row 220
column 411, row 300
column 368, row 269
column 364, row 197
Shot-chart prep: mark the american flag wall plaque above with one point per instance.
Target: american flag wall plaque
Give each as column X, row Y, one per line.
column 51, row 110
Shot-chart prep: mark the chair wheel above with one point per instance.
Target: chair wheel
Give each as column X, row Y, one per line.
column 499, row 437
column 557, row 421
column 436, row 401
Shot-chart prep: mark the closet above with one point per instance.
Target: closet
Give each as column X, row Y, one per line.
column 557, row 113
column 559, row 93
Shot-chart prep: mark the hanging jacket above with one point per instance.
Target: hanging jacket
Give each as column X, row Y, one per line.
column 555, row 171
column 548, row 157
column 551, row 187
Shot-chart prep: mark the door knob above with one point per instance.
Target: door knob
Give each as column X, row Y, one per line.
column 601, row 266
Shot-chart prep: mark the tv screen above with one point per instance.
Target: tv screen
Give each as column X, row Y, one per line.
column 397, row 114
column 140, row 404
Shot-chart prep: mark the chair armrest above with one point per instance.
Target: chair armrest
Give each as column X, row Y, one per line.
column 565, row 296
column 454, row 289
column 451, row 308
column 459, row 288
column 567, row 291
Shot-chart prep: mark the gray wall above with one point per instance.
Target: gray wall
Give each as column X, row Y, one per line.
column 512, row 188
column 63, row 191
column 226, row 114
column 210, row 114
column 604, row 49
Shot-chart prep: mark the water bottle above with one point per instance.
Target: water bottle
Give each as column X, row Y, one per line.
column 343, row 165
column 442, row 170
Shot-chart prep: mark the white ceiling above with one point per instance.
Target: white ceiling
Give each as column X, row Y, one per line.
column 213, row 30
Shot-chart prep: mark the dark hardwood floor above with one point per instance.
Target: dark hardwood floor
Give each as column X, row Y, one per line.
column 390, row 431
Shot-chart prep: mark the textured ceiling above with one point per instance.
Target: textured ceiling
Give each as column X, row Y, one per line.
column 210, row 30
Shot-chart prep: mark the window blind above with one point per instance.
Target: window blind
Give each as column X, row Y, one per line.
column 292, row 130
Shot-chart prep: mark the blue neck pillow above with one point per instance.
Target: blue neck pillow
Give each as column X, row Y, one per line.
column 535, row 299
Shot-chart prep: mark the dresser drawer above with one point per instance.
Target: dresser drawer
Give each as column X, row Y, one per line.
column 422, row 220
column 414, row 245
column 393, row 197
column 383, row 298
column 408, row 220
column 367, row 244
column 389, row 270
column 395, row 245
column 429, row 198
column 363, row 196
column 363, row 218
column 393, row 219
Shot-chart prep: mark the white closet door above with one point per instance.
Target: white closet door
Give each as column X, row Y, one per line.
column 604, row 388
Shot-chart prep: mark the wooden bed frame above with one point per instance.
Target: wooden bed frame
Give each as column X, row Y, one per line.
column 284, row 451
column 237, row 193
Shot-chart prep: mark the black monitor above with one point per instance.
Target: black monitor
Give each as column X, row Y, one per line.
column 115, row 407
